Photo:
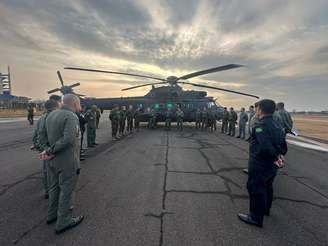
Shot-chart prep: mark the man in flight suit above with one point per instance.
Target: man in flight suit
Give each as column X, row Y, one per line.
column 90, row 117
column 137, row 117
column 40, row 140
column 232, row 119
column 129, row 119
column 114, row 117
column 225, row 116
column 179, row 116
column 267, row 147
column 204, row 118
column 283, row 117
column 198, row 118
column 122, row 120
column 243, row 118
column 168, row 119
column 63, row 153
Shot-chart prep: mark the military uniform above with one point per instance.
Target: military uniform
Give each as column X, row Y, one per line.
column 137, row 118
column 225, row 118
column 168, row 119
column 40, row 142
column 82, row 122
column 284, row 119
column 152, row 119
column 204, row 119
column 251, row 121
column 179, row 115
column 90, row 117
column 267, row 143
column 122, row 121
column 63, row 133
column 243, row 118
column 212, row 120
column 198, row 119
column 98, row 115
column 30, row 115
column 129, row 118
column 232, row 119
column 114, row 117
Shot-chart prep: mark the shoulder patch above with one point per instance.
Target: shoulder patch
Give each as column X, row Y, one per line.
column 258, row 130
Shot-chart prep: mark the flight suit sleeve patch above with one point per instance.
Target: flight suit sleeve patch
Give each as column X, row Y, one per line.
column 258, row 130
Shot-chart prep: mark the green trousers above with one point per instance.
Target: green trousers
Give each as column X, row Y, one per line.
column 91, row 136
column 61, row 189
column 45, row 177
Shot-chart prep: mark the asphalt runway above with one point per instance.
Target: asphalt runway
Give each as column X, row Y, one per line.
column 158, row 187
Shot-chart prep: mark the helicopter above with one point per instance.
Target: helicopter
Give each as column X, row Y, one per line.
column 163, row 98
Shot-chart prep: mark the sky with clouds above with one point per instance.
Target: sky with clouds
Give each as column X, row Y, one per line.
column 283, row 45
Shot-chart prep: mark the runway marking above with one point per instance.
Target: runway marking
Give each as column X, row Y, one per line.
column 307, row 145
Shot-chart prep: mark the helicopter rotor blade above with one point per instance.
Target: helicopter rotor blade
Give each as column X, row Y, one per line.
column 74, row 85
column 137, row 86
column 220, row 89
column 60, row 78
column 211, row 70
column 54, row 90
column 112, row 72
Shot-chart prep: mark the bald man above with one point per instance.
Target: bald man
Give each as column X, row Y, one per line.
column 63, row 153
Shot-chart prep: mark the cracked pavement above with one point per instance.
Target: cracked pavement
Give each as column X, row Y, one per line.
column 159, row 187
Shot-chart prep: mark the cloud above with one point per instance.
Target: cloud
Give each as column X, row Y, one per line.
column 282, row 43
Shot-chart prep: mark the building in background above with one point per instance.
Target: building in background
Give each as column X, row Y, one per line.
column 7, row 100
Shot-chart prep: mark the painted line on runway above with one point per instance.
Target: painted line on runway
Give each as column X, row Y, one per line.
column 307, row 145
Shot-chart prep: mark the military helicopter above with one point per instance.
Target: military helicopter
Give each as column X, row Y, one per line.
column 161, row 98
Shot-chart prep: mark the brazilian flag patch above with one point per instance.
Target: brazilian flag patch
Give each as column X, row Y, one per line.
column 258, row 130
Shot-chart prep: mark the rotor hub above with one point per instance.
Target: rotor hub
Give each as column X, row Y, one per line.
column 172, row 80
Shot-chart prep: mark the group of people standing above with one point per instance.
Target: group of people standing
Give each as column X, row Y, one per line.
column 230, row 120
column 123, row 120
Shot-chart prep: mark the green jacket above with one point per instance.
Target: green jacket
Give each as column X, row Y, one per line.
column 122, row 115
column 284, row 118
column 91, row 118
column 114, row 115
column 63, row 133
column 232, row 116
column 129, row 115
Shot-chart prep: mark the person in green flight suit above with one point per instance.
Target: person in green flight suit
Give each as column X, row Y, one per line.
column 168, row 119
column 152, row 119
column 232, row 119
column 225, row 117
column 63, row 154
column 114, row 117
column 90, row 116
column 137, row 118
column 179, row 115
column 40, row 141
column 204, row 118
column 98, row 115
column 129, row 119
column 122, row 121
column 198, row 119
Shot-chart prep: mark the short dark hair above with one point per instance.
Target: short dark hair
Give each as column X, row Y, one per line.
column 55, row 97
column 280, row 105
column 251, row 106
column 51, row 104
column 267, row 106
